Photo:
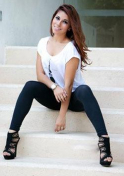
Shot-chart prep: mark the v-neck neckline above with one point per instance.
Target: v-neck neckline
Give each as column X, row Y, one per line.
column 57, row 53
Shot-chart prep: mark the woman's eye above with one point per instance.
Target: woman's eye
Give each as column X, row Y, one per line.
column 57, row 18
column 65, row 22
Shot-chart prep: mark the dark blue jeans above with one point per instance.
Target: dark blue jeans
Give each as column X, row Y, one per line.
column 82, row 99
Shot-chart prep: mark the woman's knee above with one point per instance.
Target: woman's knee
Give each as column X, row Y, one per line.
column 34, row 86
column 30, row 85
column 83, row 91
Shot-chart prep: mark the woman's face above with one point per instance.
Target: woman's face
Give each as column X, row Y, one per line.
column 60, row 23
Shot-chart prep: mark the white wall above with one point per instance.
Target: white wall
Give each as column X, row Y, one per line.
column 24, row 22
column 2, row 39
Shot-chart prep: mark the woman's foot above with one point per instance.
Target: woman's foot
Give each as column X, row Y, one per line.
column 11, row 145
column 105, row 153
column 6, row 153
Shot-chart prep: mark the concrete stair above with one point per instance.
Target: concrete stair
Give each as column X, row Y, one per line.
column 108, row 76
column 101, row 57
column 76, row 122
column 73, row 151
column 105, row 95
column 65, row 145
column 46, row 167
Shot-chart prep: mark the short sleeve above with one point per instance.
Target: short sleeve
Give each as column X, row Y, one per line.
column 39, row 47
column 72, row 52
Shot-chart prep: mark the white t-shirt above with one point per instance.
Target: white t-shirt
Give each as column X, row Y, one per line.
column 58, row 62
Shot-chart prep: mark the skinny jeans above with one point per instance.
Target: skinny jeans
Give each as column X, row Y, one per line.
column 82, row 99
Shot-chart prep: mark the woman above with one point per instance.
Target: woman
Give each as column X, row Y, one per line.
column 60, row 84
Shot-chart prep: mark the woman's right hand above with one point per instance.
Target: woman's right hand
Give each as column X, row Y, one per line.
column 60, row 94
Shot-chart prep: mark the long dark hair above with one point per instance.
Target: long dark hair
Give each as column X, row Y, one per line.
column 76, row 33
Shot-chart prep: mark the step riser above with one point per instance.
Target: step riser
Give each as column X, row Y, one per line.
column 9, row 95
column 106, row 57
column 100, row 57
column 49, row 147
column 110, row 99
column 112, row 78
column 106, row 99
column 21, row 55
column 17, row 75
column 104, row 78
column 45, row 121
column 53, row 170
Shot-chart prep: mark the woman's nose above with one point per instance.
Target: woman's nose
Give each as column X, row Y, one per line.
column 58, row 23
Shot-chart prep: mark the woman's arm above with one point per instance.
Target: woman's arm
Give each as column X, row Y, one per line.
column 70, row 71
column 41, row 77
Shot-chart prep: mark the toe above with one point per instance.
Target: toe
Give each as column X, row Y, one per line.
column 109, row 159
column 105, row 159
column 6, row 154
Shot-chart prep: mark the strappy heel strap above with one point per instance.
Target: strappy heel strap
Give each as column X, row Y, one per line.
column 11, row 145
column 104, row 146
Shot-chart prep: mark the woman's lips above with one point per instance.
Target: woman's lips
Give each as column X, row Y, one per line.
column 56, row 28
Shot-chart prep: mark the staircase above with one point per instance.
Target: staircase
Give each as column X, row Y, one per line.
column 74, row 151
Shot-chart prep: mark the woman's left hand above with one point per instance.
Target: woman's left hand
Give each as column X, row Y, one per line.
column 60, row 123
column 60, row 94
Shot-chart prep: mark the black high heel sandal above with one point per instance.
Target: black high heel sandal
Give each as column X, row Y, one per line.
column 104, row 146
column 11, row 145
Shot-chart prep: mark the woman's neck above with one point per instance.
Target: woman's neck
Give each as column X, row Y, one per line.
column 59, row 39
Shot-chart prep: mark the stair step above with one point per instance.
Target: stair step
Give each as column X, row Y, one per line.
column 107, row 97
column 21, row 55
column 113, row 77
column 44, row 166
column 104, row 76
column 43, row 119
column 73, row 151
column 105, row 57
column 64, row 145
column 17, row 74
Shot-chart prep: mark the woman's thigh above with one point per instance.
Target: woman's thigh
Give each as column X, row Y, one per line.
column 44, row 95
column 82, row 96
column 75, row 104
